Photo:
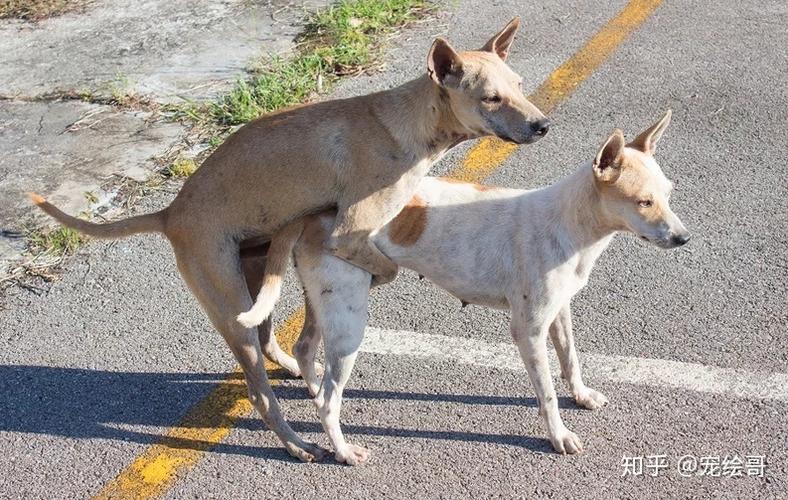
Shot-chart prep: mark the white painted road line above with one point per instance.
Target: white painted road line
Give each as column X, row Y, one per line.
column 596, row 367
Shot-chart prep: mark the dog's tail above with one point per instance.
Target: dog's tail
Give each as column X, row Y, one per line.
column 275, row 266
column 148, row 223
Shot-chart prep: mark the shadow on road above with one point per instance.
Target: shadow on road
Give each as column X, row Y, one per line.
column 96, row 404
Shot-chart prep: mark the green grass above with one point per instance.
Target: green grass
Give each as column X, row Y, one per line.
column 59, row 242
column 340, row 40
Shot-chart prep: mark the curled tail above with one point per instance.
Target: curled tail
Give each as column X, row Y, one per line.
column 148, row 223
column 275, row 266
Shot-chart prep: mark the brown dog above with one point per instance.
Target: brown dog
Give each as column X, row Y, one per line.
column 364, row 156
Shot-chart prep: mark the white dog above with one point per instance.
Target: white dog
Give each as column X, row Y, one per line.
column 530, row 251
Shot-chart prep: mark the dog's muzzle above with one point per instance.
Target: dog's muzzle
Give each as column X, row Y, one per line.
column 537, row 130
column 671, row 241
column 680, row 239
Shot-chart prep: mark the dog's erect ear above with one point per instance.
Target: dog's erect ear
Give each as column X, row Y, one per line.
column 443, row 63
column 500, row 43
column 648, row 139
column 607, row 164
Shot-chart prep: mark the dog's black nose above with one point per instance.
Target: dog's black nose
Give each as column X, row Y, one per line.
column 540, row 127
column 680, row 239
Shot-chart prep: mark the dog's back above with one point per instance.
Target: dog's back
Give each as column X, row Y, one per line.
column 458, row 235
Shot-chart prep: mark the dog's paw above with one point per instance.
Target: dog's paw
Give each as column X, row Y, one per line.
column 566, row 442
column 352, row 455
column 591, row 399
column 306, row 452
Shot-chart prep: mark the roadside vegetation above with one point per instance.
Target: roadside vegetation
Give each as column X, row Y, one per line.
column 341, row 40
column 46, row 250
column 35, row 10
column 56, row 242
column 182, row 167
column 344, row 39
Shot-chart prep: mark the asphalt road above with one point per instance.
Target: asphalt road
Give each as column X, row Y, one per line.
column 98, row 366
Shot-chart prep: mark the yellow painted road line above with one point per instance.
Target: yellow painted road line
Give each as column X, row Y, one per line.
column 490, row 153
column 211, row 420
column 206, row 424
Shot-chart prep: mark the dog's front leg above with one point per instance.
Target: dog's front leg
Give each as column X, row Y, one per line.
column 357, row 249
column 253, row 267
column 354, row 224
column 564, row 343
column 529, row 330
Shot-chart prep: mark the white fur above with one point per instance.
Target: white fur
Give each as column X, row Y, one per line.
column 528, row 251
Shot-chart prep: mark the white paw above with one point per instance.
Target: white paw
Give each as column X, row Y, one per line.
column 352, row 455
column 591, row 399
column 566, row 442
column 306, row 452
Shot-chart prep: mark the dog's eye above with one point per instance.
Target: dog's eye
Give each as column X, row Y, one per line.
column 491, row 99
column 645, row 203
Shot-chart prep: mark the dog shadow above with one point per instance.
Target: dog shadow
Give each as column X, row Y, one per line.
column 97, row 404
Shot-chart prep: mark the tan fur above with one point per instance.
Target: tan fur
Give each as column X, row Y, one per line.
column 132, row 225
column 362, row 156
column 632, row 185
column 407, row 226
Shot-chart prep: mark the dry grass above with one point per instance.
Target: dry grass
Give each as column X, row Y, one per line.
column 35, row 10
column 182, row 167
column 46, row 250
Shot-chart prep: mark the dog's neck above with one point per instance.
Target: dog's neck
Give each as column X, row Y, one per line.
column 419, row 116
column 578, row 212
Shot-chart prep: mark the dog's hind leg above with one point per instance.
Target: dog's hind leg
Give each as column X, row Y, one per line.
column 253, row 266
column 337, row 297
column 274, row 351
column 213, row 273
column 343, row 333
column 305, row 351
column 564, row 343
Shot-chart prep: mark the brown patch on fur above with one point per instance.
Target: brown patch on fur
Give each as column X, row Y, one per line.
column 474, row 185
column 406, row 228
